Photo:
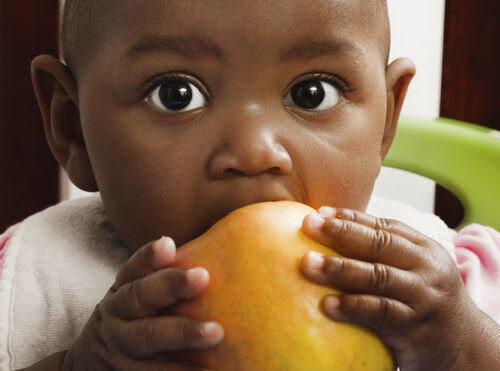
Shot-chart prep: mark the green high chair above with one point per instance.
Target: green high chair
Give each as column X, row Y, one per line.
column 462, row 157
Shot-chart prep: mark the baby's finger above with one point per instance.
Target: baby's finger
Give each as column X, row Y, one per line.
column 157, row 364
column 355, row 276
column 160, row 366
column 361, row 242
column 145, row 297
column 150, row 336
column 149, row 258
column 382, row 314
column 389, row 225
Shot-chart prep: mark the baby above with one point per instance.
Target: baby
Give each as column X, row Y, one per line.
column 179, row 112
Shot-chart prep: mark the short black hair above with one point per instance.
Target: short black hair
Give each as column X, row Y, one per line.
column 82, row 21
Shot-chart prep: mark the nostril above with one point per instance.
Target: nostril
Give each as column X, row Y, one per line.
column 232, row 172
column 235, row 172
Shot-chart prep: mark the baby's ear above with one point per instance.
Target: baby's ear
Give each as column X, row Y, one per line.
column 397, row 76
column 57, row 96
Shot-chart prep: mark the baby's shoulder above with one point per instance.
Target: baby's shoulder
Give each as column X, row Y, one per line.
column 58, row 264
column 67, row 223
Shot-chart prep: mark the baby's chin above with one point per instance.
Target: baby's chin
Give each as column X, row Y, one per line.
column 189, row 227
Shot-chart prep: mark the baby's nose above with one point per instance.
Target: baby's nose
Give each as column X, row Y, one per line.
column 251, row 147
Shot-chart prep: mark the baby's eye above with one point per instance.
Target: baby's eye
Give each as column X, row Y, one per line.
column 314, row 95
column 177, row 96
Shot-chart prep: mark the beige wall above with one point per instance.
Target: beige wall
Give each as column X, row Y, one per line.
column 417, row 33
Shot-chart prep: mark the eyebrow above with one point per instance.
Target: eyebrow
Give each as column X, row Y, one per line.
column 195, row 47
column 185, row 46
column 308, row 49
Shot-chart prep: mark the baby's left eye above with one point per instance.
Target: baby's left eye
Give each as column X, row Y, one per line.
column 313, row 95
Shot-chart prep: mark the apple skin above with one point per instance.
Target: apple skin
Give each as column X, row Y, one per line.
column 270, row 313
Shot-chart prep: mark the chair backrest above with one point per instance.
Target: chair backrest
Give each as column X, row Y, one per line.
column 462, row 157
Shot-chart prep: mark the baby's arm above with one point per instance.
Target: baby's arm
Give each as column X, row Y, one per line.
column 406, row 287
column 126, row 331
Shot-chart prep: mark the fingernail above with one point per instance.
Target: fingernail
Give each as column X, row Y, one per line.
column 316, row 260
column 331, row 305
column 209, row 329
column 194, row 274
column 326, row 211
column 158, row 244
column 316, row 221
column 162, row 243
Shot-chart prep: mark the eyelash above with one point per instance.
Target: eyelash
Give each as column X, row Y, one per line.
column 153, row 82
column 336, row 80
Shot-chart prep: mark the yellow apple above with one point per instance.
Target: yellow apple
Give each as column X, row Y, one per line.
column 270, row 313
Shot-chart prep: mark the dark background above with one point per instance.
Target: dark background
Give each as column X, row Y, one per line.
column 29, row 174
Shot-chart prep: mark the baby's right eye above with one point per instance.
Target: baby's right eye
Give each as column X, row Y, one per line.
column 177, row 95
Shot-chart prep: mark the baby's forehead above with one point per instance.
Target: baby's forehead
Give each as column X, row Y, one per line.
column 87, row 23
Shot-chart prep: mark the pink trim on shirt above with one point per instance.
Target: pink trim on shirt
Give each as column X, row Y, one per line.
column 4, row 239
column 477, row 249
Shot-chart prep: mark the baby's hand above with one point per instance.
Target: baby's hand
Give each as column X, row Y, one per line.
column 127, row 331
column 399, row 282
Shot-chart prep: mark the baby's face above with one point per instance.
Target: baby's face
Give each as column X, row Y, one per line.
column 194, row 109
